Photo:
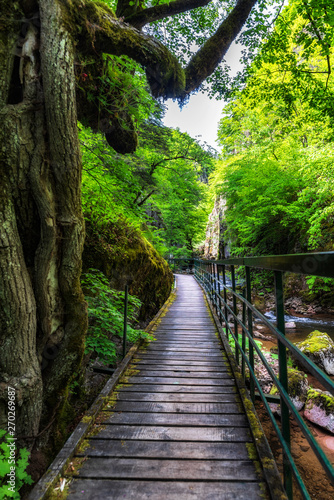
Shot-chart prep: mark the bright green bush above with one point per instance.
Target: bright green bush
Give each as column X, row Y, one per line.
column 20, row 462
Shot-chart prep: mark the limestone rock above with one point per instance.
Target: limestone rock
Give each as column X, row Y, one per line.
column 319, row 409
column 319, row 347
column 290, row 325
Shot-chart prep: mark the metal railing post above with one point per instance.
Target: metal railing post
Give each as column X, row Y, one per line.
column 250, row 330
column 225, row 302
column 235, row 310
column 125, row 318
column 219, row 296
column 283, row 377
column 243, row 345
column 214, row 290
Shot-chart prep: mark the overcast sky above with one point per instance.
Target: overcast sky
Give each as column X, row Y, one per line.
column 199, row 118
column 201, row 115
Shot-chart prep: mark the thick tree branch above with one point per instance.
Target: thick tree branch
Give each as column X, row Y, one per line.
column 204, row 62
column 139, row 19
column 98, row 31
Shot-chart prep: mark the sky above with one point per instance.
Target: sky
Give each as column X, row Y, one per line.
column 201, row 115
column 199, row 118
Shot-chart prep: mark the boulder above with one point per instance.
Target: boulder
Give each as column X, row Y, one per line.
column 297, row 388
column 319, row 347
column 290, row 325
column 319, row 409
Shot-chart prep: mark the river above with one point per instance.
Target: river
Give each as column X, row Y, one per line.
column 306, row 325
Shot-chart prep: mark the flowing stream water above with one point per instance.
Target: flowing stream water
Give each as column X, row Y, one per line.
column 306, row 325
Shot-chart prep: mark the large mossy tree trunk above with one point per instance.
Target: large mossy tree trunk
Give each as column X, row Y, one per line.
column 43, row 316
column 43, row 313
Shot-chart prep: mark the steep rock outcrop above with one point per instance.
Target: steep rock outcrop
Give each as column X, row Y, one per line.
column 214, row 246
column 122, row 253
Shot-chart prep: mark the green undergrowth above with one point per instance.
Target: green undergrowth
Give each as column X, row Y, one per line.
column 106, row 316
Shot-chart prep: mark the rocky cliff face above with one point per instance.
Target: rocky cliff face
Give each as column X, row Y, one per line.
column 214, row 246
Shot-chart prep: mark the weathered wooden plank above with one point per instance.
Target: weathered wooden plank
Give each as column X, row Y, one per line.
column 222, row 389
column 184, row 343
column 184, row 373
column 166, row 449
column 177, row 398
column 167, row 490
column 184, row 355
column 187, row 328
column 179, row 419
column 197, row 408
column 187, row 350
column 161, row 469
column 205, row 365
column 162, row 367
column 169, row 433
column 178, row 380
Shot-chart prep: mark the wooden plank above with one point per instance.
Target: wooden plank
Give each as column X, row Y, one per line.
column 179, row 419
column 197, row 408
column 183, row 342
column 166, row 449
column 179, row 380
column 180, row 368
column 178, row 355
column 205, row 365
column 184, row 373
column 177, row 398
column 161, row 469
column 222, row 389
column 187, row 350
column 169, row 433
column 94, row 489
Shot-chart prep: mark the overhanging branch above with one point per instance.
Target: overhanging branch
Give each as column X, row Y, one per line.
column 99, row 32
column 139, row 19
column 204, row 62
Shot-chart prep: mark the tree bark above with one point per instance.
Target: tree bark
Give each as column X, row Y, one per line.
column 19, row 363
column 43, row 314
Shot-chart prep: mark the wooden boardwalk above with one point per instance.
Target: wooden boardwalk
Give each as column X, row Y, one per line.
column 178, row 429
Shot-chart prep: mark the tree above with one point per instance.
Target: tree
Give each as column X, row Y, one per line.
column 277, row 138
column 46, row 47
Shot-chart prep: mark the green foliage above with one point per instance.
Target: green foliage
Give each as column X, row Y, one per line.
column 106, row 316
column 231, row 341
column 277, row 163
column 319, row 285
column 161, row 188
column 7, row 462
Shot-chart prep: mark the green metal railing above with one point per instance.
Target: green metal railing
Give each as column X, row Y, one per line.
column 225, row 296
column 182, row 265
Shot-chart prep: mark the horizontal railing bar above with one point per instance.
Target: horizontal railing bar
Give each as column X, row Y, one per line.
column 315, row 264
column 306, row 362
column 308, row 435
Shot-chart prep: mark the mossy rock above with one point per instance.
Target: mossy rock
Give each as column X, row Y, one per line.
column 319, row 408
column 297, row 387
column 124, row 255
column 319, row 347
